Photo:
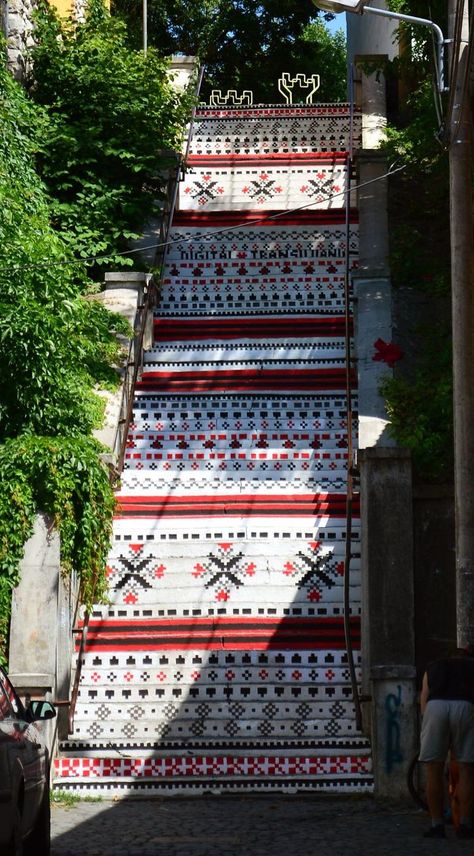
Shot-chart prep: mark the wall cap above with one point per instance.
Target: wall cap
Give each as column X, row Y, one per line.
column 126, row 277
column 393, row 672
column 36, row 680
column 384, row 452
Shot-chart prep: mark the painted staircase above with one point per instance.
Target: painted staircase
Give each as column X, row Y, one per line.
column 220, row 663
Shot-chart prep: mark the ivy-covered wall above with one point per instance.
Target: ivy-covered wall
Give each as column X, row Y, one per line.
column 57, row 346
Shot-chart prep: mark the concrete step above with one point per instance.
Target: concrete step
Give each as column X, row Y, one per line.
column 325, row 411
column 223, row 238
column 332, row 765
column 224, row 694
column 217, row 300
column 237, row 440
column 220, row 481
column 161, row 679
column 276, row 463
column 323, row 131
column 172, row 726
column 297, row 353
column 258, row 186
column 273, row 530
column 130, row 587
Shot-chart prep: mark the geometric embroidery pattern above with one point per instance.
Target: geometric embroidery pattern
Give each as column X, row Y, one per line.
column 262, row 188
column 314, row 570
column 224, row 570
column 204, row 191
column 132, row 573
column 317, row 132
column 281, row 187
column 219, row 660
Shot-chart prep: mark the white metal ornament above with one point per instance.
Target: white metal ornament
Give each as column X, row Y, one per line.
column 286, row 85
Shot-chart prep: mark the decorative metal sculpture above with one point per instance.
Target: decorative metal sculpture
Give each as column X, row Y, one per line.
column 231, row 99
column 286, row 84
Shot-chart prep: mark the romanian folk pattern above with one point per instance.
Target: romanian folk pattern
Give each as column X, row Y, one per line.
column 219, row 660
column 286, row 186
column 311, row 130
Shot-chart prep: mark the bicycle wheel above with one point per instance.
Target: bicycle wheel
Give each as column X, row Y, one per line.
column 416, row 782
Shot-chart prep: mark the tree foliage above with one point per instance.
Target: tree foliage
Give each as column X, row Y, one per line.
column 98, row 120
column 245, row 44
column 55, row 347
column 114, row 118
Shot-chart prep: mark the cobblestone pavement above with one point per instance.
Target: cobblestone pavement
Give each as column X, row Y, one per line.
column 244, row 826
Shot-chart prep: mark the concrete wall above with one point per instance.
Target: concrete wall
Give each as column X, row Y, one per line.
column 388, row 625
column 43, row 610
column 367, row 34
column 435, row 573
column 388, row 641
column 372, row 286
column 126, row 293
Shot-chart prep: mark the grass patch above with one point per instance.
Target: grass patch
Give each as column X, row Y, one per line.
column 66, row 799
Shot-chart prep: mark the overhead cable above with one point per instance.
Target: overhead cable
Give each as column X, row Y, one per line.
column 203, row 236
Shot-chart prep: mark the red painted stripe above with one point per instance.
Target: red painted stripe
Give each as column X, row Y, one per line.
column 280, row 158
column 213, row 634
column 237, row 764
column 287, row 505
column 205, row 220
column 243, row 379
column 169, row 329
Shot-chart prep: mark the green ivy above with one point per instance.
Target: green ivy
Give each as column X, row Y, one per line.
column 56, row 348
column 419, row 405
column 65, row 479
column 419, row 395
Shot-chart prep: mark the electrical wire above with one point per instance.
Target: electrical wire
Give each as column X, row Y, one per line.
column 203, row 236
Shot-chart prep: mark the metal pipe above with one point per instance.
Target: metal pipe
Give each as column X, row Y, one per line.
column 425, row 22
column 349, row 426
column 145, row 26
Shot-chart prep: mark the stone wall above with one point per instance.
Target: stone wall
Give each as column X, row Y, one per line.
column 17, row 25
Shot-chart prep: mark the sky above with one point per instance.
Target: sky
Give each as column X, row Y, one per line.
column 338, row 23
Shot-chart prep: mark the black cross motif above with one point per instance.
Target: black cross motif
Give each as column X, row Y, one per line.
column 204, row 190
column 134, row 572
column 224, row 569
column 317, row 570
column 319, row 189
column 261, row 189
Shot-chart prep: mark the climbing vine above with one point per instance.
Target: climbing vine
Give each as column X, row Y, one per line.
column 56, row 347
column 83, row 158
column 419, row 395
column 65, row 479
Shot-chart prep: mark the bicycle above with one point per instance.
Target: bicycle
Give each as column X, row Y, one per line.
column 416, row 783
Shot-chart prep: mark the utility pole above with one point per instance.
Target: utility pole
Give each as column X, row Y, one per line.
column 145, row 26
column 462, row 288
